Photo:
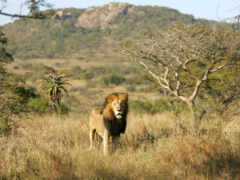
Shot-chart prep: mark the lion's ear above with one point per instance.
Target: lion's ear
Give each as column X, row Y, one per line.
column 123, row 96
column 111, row 98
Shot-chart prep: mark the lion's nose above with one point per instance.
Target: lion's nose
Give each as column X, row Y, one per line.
column 118, row 114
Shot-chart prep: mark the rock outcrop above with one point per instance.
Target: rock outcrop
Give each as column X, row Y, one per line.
column 101, row 17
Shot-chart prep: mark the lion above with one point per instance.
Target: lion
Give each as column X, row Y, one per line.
column 110, row 120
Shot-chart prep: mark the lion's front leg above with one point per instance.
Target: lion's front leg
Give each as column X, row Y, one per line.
column 115, row 141
column 91, row 138
column 105, row 142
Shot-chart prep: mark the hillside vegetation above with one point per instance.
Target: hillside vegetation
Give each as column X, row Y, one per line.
column 80, row 33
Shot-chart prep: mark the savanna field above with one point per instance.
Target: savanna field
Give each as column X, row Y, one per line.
column 160, row 141
column 182, row 76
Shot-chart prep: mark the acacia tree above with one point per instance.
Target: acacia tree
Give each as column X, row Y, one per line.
column 181, row 58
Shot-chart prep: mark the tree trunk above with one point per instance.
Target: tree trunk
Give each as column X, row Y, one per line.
column 194, row 119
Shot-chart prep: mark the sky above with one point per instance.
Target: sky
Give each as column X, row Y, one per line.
column 220, row 10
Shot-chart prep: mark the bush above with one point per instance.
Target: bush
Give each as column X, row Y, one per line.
column 41, row 105
column 158, row 106
column 62, row 109
column 113, row 79
column 38, row 72
column 131, row 89
column 141, row 106
column 88, row 75
column 78, row 73
column 25, row 93
column 38, row 105
column 4, row 125
column 178, row 106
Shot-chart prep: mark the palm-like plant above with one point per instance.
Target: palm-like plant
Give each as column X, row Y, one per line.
column 56, row 82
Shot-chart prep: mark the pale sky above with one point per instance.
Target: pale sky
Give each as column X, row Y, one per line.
column 209, row 9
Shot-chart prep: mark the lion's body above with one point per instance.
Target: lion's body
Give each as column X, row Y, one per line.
column 110, row 120
column 96, row 122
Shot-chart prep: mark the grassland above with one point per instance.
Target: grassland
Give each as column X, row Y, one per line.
column 157, row 145
column 154, row 147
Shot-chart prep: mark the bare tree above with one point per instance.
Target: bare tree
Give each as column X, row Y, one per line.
column 181, row 58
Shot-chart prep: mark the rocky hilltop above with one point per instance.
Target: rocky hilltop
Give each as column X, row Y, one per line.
column 101, row 16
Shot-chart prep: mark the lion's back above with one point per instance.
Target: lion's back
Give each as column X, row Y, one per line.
column 96, row 120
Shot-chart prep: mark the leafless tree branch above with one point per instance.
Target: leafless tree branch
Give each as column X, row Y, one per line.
column 21, row 16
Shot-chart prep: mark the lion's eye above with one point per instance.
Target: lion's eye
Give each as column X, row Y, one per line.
column 114, row 103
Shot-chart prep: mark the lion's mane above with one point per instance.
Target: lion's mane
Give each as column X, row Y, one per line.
column 115, row 126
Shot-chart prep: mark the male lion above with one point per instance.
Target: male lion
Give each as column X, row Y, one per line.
column 110, row 120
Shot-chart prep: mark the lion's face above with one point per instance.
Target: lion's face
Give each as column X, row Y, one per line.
column 117, row 103
column 118, row 107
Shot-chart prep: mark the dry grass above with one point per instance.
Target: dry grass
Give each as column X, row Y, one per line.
column 158, row 146
column 154, row 147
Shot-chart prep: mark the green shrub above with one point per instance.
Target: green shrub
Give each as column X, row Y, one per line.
column 160, row 105
column 147, row 89
column 178, row 106
column 130, row 70
column 62, row 109
column 113, row 79
column 28, row 75
column 38, row 72
column 26, row 66
column 4, row 125
column 131, row 89
column 25, row 93
column 88, row 75
column 98, row 71
column 39, row 105
column 78, row 73
column 141, row 106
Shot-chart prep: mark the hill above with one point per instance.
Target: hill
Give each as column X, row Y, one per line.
column 80, row 33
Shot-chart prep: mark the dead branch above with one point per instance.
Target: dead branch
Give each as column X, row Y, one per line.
column 22, row 16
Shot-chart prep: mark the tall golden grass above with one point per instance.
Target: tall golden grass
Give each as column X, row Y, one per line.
column 154, row 147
